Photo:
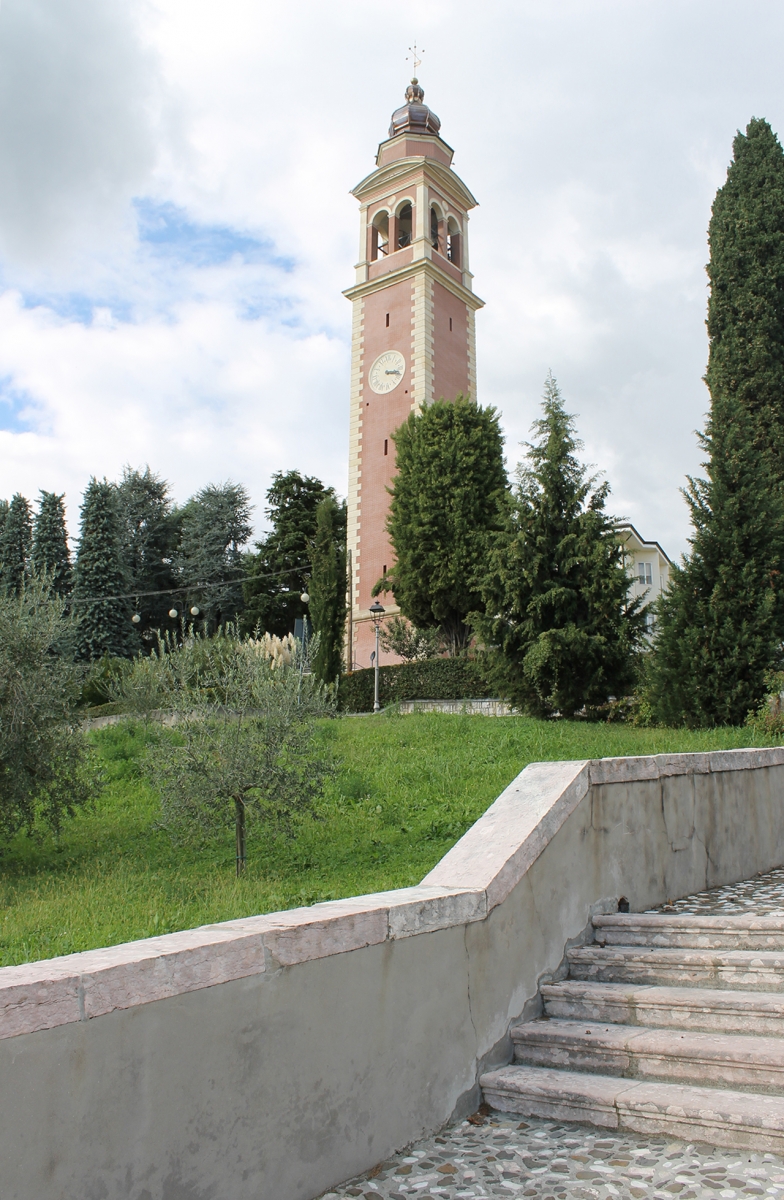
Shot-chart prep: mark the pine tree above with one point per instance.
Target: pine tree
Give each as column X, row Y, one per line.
column 328, row 588
column 101, row 579
column 720, row 626
column 281, row 567
column 557, row 607
column 215, row 527
column 4, row 506
column 15, row 545
column 448, row 500
column 151, row 532
column 50, row 552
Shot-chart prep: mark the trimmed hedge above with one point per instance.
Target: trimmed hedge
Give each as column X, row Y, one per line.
column 433, row 679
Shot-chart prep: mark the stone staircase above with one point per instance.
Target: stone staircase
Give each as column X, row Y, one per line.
column 667, row 1024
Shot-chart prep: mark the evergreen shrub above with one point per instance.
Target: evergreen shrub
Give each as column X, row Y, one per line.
column 435, row 679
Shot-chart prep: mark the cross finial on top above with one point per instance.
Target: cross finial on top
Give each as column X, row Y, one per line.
column 417, row 61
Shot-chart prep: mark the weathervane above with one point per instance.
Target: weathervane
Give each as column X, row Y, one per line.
column 412, row 50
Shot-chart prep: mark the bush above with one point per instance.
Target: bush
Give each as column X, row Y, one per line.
column 767, row 719
column 434, row 679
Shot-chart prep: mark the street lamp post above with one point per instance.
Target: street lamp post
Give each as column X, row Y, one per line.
column 377, row 613
column 305, row 598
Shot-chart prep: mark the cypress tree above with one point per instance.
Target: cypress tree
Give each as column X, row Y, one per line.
column 16, row 543
column 557, row 595
column 448, row 500
column 101, row 578
column 328, row 588
column 50, row 543
column 721, row 624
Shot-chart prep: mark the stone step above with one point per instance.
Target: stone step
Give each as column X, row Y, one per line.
column 715, row 1115
column 749, row 970
column 698, row 1009
column 743, row 932
column 737, row 1060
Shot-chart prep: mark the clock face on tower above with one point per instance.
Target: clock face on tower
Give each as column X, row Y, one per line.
column 387, row 372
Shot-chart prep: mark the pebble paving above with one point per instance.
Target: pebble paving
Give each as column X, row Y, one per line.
column 496, row 1154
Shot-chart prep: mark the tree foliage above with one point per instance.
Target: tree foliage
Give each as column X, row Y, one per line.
column 101, row 578
column 150, row 531
column 398, row 636
column 448, row 501
column 16, row 544
column 720, row 626
column 215, row 527
column 45, row 766
column 50, row 551
column 281, row 567
column 244, row 754
column 328, row 588
column 556, row 594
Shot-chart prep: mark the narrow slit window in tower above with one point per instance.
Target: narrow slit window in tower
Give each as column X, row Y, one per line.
column 386, row 444
column 450, row 324
column 387, row 320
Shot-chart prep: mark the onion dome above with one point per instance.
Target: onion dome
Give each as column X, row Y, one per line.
column 414, row 116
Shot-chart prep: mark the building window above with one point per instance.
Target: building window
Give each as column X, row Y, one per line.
column 453, row 242
column 450, row 324
column 387, row 320
column 379, row 236
column 645, row 573
column 434, row 228
column 404, row 226
column 386, row 444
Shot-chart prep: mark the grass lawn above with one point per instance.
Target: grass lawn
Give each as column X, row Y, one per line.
column 407, row 787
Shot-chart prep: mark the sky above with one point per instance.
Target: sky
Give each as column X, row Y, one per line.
column 176, row 227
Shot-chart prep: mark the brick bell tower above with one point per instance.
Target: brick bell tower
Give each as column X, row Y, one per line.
column 413, row 332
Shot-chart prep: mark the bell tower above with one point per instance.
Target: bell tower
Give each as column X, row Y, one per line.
column 413, row 334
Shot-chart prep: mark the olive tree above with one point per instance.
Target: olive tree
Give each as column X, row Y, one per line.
column 244, row 748
column 46, row 768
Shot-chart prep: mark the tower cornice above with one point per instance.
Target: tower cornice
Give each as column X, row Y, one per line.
column 420, row 266
column 387, row 177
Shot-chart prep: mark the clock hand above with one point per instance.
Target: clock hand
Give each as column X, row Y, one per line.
column 391, row 372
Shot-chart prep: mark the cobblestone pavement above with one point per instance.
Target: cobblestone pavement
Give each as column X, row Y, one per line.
column 508, row 1157
column 500, row 1155
column 763, row 894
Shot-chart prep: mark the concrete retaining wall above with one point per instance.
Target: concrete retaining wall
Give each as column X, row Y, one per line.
column 269, row 1058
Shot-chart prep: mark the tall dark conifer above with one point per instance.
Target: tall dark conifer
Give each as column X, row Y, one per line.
column 150, row 531
column 101, row 578
column 215, row 527
column 448, row 501
column 16, row 543
column 557, row 594
column 280, row 569
column 722, row 622
column 328, row 588
column 50, row 542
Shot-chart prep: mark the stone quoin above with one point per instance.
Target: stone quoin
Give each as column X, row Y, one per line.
column 413, row 333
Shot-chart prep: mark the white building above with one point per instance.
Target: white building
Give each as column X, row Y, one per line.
column 649, row 566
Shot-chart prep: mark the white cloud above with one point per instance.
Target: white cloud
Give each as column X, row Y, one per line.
column 594, row 136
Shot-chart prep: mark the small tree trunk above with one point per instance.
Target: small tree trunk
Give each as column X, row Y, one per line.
column 239, row 826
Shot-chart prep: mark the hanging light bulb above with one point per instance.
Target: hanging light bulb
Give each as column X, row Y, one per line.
column 173, row 613
column 195, row 610
column 305, row 598
column 136, row 618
